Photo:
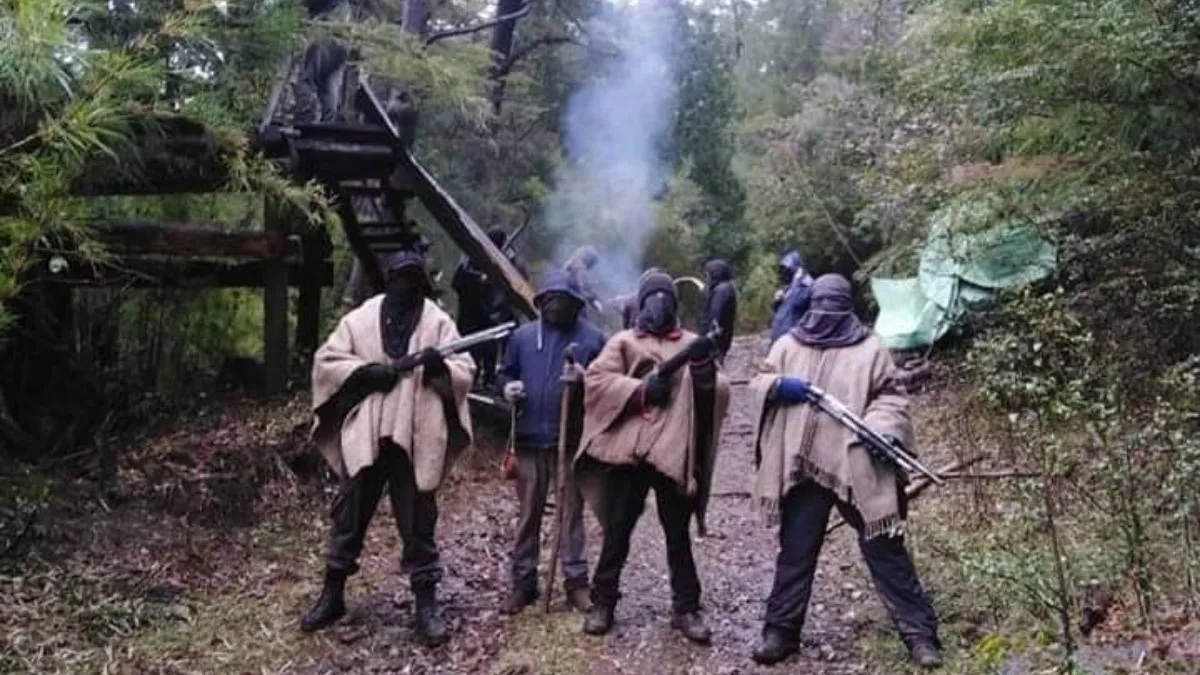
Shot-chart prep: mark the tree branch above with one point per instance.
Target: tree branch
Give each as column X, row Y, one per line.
column 442, row 35
column 506, row 67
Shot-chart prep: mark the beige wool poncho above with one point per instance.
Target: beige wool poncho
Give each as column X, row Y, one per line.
column 798, row 442
column 663, row 438
column 411, row 414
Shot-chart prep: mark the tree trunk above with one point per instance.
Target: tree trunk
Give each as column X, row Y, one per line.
column 416, row 17
column 502, row 44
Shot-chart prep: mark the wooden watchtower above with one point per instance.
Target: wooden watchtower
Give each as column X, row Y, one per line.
column 365, row 168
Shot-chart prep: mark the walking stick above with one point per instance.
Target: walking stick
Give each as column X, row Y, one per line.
column 560, row 488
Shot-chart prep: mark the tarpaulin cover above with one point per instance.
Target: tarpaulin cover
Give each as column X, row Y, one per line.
column 971, row 253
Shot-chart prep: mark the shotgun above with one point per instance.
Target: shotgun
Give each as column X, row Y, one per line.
column 462, row 344
column 668, row 368
column 879, row 444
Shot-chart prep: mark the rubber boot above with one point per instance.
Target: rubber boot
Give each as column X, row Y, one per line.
column 692, row 626
column 777, row 644
column 579, row 596
column 517, row 600
column 330, row 606
column 430, row 627
column 599, row 620
column 926, row 655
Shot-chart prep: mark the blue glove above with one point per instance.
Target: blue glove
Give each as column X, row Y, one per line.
column 792, row 390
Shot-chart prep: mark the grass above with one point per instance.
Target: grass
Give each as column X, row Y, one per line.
column 536, row 642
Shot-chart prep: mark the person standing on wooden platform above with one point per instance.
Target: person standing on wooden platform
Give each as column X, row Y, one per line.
column 646, row 432
column 808, row 464
column 391, row 413
column 531, row 378
column 319, row 85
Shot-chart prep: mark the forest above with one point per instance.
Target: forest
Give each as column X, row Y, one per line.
column 162, row 509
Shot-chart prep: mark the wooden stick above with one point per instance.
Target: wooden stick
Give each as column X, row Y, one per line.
column 560, row 492
column 920, row 485
column 990, row 475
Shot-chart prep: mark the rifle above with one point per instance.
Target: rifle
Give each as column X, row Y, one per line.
column 676, row 363
column 881, row 445
column 333, row 412
column 463, row 344
column 561, row 479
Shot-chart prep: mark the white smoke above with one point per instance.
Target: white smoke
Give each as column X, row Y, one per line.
column 617, row 128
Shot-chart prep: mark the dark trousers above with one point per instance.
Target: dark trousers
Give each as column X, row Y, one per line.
column 319, row 86
column 537, row 468
column 625, row 491
column 416, row 516
column 486, row 356
column 805, row 515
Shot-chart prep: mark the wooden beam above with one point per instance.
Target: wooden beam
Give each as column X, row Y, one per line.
column 192, row 275
column 196, row 241
column 467, row 234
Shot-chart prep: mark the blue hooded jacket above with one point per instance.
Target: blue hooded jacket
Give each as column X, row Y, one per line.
column 795, row 299
column 535, row 355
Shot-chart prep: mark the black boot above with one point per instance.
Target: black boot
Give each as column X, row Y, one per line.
column 579, row 596
column 429, row 625
column 330, row 606
column 599, row 620
column 926, row 655
column 517, row 600
column 692, row 626
column 777, row 644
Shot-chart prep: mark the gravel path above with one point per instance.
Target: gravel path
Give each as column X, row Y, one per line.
column 735, row 563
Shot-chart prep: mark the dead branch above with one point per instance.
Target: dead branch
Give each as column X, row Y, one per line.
column 990, row 475
column 442, row 35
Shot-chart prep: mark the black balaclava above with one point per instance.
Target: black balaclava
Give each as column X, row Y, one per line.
column 718, row 272
column 830, row 320
column 407, row 286
column 560, row 310
column 658, row 305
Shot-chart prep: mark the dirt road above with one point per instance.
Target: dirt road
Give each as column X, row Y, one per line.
column 213, row 549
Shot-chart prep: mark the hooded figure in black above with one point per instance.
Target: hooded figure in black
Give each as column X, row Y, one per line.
column 482, row 304
column 720, row 305
column 319, row 85
column 391, row 415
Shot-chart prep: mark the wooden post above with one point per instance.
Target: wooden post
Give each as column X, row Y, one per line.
column 275, row 305
column 316, row 248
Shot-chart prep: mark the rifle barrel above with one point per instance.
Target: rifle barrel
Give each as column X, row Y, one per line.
column 902, row 458
column 481, row 337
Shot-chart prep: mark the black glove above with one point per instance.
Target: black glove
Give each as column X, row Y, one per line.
column 379, row 377
column 435, row 365
column 701, row 349
column 657, row 390
column 407, row 363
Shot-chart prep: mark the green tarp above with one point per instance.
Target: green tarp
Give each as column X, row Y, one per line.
column 972, row 252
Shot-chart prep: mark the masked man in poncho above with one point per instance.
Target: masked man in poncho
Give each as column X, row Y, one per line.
column 808, row 464
column 644, row 432
column 391, row 413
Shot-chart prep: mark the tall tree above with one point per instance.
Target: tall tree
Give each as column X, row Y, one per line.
column 704, row 133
